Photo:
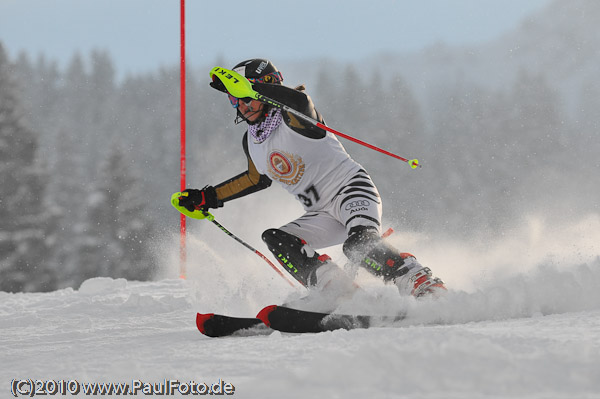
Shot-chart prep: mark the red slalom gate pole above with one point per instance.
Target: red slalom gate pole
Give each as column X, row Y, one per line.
column 182, row 166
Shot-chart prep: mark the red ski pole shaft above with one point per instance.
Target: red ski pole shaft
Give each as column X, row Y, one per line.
column 371, row 146
column 414, row 163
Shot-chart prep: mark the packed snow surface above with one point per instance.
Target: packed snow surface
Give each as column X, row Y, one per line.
column 521, row 334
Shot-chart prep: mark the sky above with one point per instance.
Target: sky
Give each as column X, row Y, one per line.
column 144, row 35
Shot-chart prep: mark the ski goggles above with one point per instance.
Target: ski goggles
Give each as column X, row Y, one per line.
column 235, row 102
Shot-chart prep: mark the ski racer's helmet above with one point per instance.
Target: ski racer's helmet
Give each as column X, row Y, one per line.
column 259, row 70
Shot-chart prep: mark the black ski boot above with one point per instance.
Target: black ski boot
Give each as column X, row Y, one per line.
column 366, row 248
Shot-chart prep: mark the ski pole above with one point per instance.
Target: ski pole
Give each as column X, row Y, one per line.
column 207, row 215
column 210, row 217
column 414, row 163
column 240, row 87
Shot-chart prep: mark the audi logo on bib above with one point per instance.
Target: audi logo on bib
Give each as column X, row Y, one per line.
column 357, row 203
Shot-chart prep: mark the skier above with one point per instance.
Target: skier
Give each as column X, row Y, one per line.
column 341, row 201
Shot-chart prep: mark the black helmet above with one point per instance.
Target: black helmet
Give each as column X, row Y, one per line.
column 259, row 70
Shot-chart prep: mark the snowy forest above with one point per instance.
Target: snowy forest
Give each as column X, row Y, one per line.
column 89, row 161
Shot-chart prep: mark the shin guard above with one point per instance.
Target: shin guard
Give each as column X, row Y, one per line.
column 365, row 247
column 294, row 255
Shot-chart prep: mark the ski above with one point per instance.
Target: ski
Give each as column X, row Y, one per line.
column 216, row 325
column 288, row 320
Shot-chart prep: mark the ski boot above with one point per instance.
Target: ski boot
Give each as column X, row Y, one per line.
column 418, row 281
column 365, row 247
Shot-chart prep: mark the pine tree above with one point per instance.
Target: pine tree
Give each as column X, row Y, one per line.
column 117, row 241
column 24, row 221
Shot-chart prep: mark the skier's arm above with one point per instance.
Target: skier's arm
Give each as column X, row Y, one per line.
column 243, row 184
column 296, row 99
column 238, row 186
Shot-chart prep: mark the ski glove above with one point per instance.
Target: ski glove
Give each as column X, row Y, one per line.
column 200, row 199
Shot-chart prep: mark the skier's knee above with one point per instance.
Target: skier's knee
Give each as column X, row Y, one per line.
column 274, row 237
column 360, row 241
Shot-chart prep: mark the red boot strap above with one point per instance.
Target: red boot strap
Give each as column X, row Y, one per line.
column 324, row 258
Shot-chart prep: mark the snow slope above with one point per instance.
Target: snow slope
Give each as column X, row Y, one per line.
column 529, row 333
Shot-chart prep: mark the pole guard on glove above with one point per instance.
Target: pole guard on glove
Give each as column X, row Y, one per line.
column 195, row 214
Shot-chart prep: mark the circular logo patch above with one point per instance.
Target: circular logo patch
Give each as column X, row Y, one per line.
column 285, row 168
column 280, row 164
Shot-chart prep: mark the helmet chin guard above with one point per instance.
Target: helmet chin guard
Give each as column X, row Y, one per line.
column 239, row 118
